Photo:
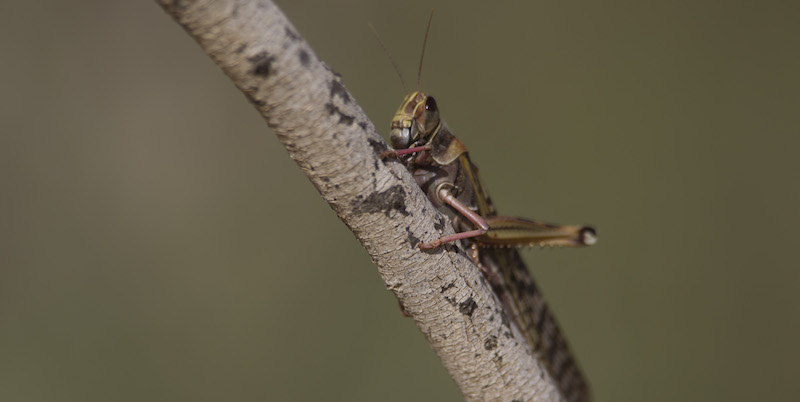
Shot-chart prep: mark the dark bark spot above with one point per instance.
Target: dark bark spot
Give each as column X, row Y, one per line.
column 262, row 64
column 305, row 59
column 377, row 146
column 343, row 117
column 241, row 48
column 385, row 201
column 467, row 307
column 332, row 71
column 490, row 343
column 337, row 89
column 440, row 223
column 362, row 125
column 448, row 286
column 413, row 240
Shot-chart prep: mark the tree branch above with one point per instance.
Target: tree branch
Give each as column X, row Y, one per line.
column 336, row 145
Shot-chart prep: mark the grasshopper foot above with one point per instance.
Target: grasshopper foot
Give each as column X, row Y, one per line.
column 388, row 154
column 430, row 246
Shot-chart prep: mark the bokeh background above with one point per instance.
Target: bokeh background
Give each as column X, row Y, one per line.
column 158, row 244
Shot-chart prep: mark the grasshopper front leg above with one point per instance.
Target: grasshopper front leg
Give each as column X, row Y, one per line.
column 393, row 153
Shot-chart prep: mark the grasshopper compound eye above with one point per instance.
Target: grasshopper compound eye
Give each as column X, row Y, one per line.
column 430, row 105
column 429, row 119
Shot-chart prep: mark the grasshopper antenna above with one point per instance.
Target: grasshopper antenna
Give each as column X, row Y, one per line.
column 422, row 56
column 389, row 55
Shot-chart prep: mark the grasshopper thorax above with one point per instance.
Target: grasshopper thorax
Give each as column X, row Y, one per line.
column 415, row 122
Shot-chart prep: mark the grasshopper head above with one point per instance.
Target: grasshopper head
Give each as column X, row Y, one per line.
column 415, row 121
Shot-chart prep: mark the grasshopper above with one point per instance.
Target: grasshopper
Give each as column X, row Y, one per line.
column 440, row 164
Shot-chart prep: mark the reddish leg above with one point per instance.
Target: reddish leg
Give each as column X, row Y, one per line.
column 404, row 151
column 473, row 217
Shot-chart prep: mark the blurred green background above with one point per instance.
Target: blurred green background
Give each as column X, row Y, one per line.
column 158, row 244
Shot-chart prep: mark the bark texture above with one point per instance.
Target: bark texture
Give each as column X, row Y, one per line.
column 325, row 131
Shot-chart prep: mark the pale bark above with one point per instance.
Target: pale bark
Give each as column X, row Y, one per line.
column 336, row 145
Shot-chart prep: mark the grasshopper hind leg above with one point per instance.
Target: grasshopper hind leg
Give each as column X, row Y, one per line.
column 446, row 197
